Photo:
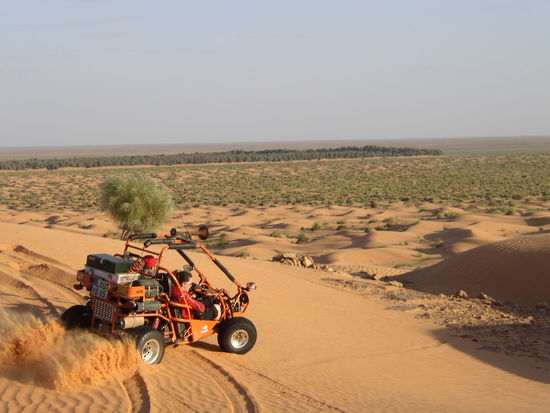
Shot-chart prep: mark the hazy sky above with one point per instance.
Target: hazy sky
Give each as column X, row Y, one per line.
column 122, row 71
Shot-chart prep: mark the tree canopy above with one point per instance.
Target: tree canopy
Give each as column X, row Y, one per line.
column 136, row 203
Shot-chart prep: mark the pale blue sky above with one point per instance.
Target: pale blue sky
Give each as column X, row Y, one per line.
column 121, row 71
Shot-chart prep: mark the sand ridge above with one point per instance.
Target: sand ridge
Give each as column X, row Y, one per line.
column 399, row 236
column 517, row 270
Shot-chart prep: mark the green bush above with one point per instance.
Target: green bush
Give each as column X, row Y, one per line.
column 279, row 234
column 438, row 243
column 316, row 226
column 450, row 215
column 303, row 239
column 243, row 254
column 137, row 203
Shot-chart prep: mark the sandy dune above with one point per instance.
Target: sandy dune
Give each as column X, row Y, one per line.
column 401, row 237
column 515, row 270
column 326, row 341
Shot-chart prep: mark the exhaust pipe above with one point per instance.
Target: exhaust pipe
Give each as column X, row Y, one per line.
column 131, row 322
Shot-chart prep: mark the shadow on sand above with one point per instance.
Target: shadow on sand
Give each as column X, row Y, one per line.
column 517, row 349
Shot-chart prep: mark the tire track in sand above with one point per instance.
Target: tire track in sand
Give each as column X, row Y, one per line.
column 288, row 392
column 238, row 397
column 137, row 392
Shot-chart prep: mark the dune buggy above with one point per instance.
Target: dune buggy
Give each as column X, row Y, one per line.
column 126, row 297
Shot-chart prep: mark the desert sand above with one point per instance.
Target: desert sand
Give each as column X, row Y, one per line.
column 374, row 327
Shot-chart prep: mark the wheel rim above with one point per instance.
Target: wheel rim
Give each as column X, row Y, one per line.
column 239, row 339
column 150, row 351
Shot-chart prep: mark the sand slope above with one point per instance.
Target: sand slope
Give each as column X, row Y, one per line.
column 320, row 348
column 399, row 237
column 517, row 270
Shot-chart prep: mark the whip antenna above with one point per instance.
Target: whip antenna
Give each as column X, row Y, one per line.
column 185, row 226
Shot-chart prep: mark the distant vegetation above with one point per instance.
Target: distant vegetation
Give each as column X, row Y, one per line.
column 495, row 183
column 270, row 155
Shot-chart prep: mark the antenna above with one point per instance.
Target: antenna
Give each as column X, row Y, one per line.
column 202, row 232
column 185, row 226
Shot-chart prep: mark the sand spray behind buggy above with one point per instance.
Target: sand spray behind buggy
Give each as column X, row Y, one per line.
column 39, row 351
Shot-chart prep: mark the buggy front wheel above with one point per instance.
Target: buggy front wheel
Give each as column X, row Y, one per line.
column 149, row 344
column 237, row 335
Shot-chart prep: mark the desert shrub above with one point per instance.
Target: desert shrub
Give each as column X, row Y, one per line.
column 316, row 226
column 137, row 203
column 303, row 239
column 450, row 215
column 438, row 243
column 279, row 234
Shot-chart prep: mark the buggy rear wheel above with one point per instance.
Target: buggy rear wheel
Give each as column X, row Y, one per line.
column 237, row 335
column 149, row 344
column 76, row 316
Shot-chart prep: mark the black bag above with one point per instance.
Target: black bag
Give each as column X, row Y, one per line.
column 109, row 263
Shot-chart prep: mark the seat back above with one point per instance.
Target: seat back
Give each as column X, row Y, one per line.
column 167, row 284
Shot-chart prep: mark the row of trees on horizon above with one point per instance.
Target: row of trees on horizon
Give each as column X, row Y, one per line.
column 234, row 156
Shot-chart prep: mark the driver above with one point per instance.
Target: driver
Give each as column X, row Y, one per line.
column 203, row 307
column 184, row 278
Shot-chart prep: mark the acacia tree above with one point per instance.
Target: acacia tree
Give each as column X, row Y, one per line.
column 137, row 203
